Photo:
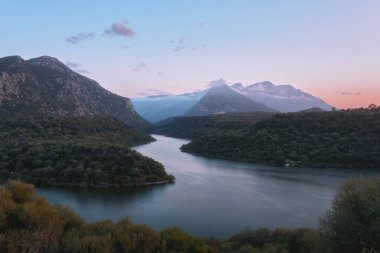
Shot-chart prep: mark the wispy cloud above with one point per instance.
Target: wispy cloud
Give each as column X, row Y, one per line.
column 179, row 48
column 183, row 44
column 217, row 83
column 349, row 93
column 149, row 70
column 120, row 29
column 77, row 67
column 140, row 66
column 129, row 46
column 154, row 92
column 79, row 37
column 180, row 45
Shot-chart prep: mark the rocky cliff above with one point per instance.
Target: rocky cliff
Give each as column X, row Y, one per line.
column 44, row 86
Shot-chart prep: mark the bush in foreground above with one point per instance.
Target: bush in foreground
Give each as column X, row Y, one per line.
column 29, row 224
column 353, row 223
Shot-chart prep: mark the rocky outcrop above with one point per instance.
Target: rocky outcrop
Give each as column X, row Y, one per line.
column 44, row 86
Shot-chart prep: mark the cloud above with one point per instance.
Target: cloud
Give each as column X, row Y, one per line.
column 161, row 74
column 129, row 46
column 77, row 67
column 140, row 66
column 154, row 92
column 181, row 44
column 343, row 93
column 349, row 93
column 179, row 48
column 217, row 83
column 79, row 37
column 120, row 29
column 71, row 64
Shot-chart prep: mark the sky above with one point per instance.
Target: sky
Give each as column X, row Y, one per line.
column 329, row 48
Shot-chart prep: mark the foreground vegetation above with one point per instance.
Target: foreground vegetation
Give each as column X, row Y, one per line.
column 345, row 138
column 79, row 151
column 29, row 224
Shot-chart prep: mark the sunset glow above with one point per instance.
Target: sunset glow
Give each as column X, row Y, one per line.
column 330, row 49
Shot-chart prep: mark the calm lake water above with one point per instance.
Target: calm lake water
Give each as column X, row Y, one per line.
column 212, row 197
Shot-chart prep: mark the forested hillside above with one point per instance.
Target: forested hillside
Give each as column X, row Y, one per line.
column 196, row 126
column 87, row 151
column 345, row 138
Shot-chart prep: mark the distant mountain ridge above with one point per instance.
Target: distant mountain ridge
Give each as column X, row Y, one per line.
column 44, row 86
column 223, row 99
column 265, row 95
column 282, row 98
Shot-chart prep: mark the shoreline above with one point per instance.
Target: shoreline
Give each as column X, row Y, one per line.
column 98, row 186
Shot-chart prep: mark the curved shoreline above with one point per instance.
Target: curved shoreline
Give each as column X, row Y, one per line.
column 105, row 186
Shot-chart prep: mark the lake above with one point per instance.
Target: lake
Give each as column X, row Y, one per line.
column 212, row 197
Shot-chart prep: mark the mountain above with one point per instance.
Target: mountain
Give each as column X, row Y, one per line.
column 158, row 108
column 223, row 99
column 282, row 98
column 44, row 86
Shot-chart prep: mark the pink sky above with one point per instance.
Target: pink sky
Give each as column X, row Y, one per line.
column 330, row 49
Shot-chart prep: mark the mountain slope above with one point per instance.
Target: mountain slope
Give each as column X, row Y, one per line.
column 157, row 108
column 283, row 98
column 222, row 99
column 44, row 86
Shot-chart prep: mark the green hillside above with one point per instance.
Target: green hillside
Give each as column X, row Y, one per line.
column 345, row 138
column 196, row 126
column 81, row 151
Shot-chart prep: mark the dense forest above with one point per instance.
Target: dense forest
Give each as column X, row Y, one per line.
column 344, row 138
column 29, row 224
column 89, row 151
column 195, row 126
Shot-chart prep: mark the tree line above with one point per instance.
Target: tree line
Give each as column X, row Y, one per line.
column 196, row 126
column 344, row 138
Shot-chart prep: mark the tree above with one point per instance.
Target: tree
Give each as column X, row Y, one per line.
column 372, row 106
column 353, row 223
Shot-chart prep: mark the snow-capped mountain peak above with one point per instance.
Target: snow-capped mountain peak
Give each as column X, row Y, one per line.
column 223, row 98
column 284, row 98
